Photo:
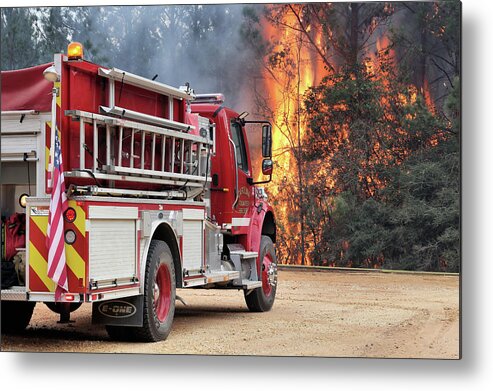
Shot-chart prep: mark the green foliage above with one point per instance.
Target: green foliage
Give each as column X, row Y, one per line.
column 425, row 224
column 398, row 208
column 18, row 38
column 54, row 31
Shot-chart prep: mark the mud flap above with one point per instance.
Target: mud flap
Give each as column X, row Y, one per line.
column 127, row 311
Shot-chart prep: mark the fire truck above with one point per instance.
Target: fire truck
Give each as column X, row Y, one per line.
column 161, row 195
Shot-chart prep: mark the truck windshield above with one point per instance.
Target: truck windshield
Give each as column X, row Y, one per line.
column 241, row 156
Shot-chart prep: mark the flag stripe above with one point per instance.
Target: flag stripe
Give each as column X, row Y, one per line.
column 57, row 262
column 55, row 254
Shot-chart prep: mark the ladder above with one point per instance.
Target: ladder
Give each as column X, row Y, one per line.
column 142, row 148
column 141, row 152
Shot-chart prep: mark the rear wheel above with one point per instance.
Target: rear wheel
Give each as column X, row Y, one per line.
column 16, row 315
column 159, row 298
column 262, row 299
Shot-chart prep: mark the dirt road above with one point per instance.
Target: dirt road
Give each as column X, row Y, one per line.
column 332, row 314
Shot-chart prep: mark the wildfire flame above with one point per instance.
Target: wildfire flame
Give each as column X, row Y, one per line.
column 285, row 91
column 285, row 88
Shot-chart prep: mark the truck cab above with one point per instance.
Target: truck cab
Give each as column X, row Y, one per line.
column 238, row 204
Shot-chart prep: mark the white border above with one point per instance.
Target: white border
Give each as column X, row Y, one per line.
column 473, row 372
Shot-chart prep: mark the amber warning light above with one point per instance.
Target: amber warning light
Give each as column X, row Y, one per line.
column 75, row 51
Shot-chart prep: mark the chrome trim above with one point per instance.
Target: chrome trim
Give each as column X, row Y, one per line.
column 45, row 201
column 20, row 112
column 115, row 177
column 131, row 114
column 117, row 294
column 14, row 293
column 50, row 297
column 139, row 81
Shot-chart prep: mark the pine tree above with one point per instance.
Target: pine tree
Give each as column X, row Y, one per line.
column 19, row 47
column 54, row 28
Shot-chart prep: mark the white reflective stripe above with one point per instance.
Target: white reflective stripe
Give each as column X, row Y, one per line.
column 240, row 221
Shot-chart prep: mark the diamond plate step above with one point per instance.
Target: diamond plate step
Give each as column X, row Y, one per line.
column 15, row 293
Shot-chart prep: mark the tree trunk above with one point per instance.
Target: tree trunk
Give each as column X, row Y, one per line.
column 421, row 71
column 299, row 157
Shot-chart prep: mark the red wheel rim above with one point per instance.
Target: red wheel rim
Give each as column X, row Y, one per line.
column 266, row 265
column 162, row 292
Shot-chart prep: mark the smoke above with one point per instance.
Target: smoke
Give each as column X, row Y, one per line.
column 431, row 60
column 198, row 44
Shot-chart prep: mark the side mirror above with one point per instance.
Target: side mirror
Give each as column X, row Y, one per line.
column 266, row 141
column 267, row 166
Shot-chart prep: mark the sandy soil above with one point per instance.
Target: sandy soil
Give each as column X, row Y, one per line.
column 336, row 314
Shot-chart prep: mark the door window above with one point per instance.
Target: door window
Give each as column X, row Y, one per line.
column 241, row 156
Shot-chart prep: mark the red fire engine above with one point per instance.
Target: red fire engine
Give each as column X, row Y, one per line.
column 161, row 196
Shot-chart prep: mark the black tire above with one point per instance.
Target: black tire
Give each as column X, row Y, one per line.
column 57, row 307
column 262, row 299
column 159, row 304
column 16, row 315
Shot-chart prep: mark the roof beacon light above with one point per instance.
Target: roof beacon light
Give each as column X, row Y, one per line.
column 75, row 51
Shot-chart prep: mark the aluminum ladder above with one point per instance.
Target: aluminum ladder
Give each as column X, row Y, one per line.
column 153, row 154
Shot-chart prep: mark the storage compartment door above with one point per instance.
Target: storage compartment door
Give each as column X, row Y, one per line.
column 193, row 239
column 21, row 134
column 112, row 246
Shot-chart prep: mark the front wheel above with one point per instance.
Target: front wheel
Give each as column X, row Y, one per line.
column 159, row 298
column 262, row 299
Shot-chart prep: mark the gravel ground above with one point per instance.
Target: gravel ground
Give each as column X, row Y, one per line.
column 329, row 314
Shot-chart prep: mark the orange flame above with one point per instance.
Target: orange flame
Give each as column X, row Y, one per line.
column 300, row 68
column 285, row 91
column 427, row 96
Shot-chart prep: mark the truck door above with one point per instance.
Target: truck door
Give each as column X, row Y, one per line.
column 244, row 194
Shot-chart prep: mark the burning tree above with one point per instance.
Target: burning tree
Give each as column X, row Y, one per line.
column 352, row 126
column 290, row 68
column 305, row 45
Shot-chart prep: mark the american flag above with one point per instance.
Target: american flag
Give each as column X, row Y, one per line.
column 57, row 263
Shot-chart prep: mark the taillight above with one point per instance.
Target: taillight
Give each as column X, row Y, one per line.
column 70, row 215
column 69, row 297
